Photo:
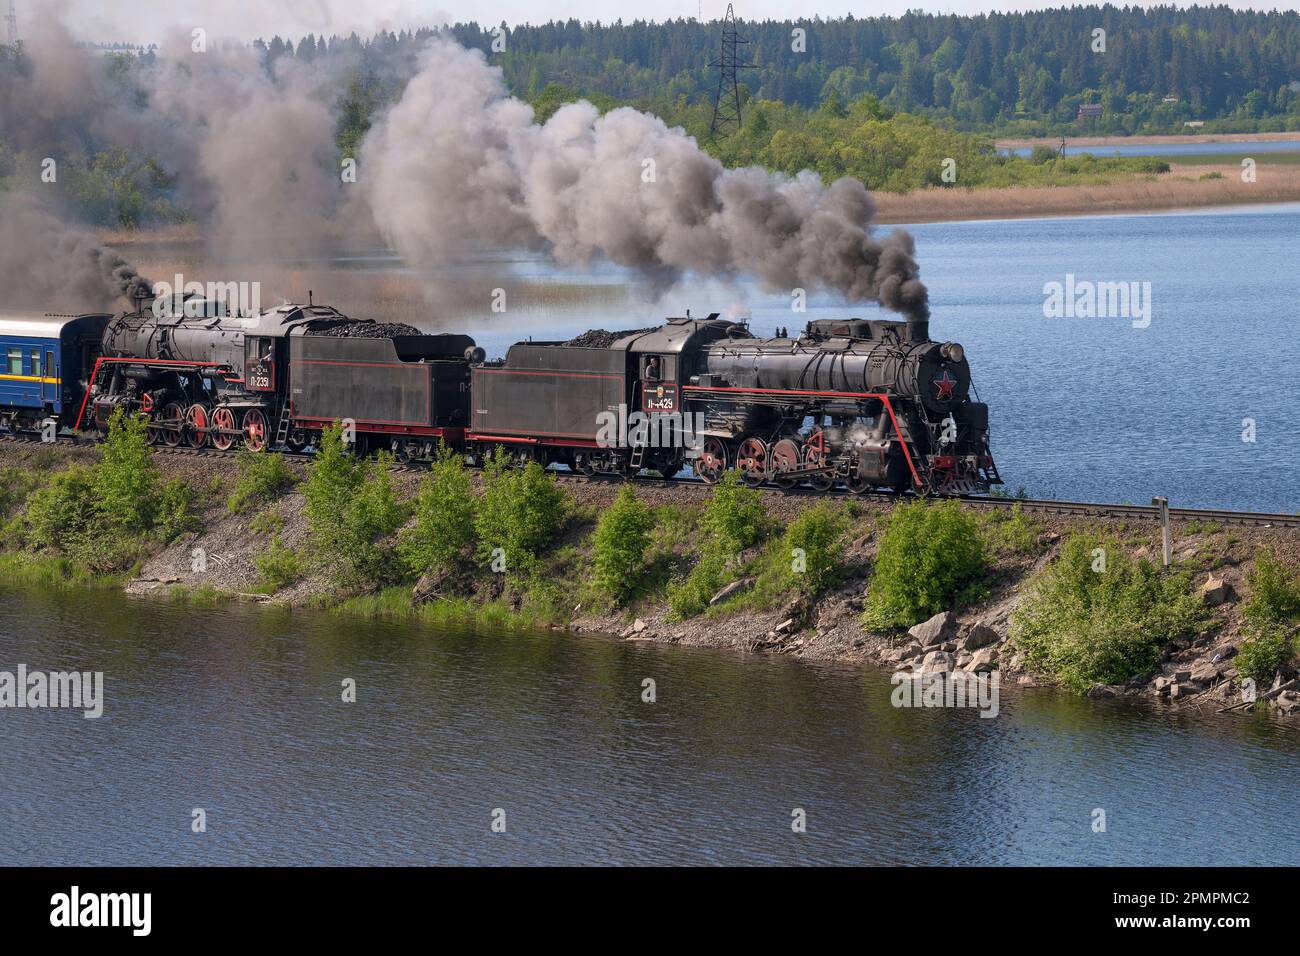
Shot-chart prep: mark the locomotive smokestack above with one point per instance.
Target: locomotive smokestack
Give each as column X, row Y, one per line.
column 918, row 329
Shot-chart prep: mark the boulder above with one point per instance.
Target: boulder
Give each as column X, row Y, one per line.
column 985, row 659
column 940, row 629
column 1099, row 691
column 1222, row 653
column 735, row 587
column 1206, row 671
column 786, row 626
column 901, row 653
column 1215, row 591
column 979, row 635
column 1162, row 684
column 638, row 626
column 935, row 662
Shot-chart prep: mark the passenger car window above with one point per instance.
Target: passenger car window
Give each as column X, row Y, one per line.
column 15, row 361
column 36, row 364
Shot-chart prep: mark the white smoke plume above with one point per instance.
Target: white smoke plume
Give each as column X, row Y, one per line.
column 458, row 160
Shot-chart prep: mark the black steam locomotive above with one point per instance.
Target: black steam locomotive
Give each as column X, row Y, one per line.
column 859, row 403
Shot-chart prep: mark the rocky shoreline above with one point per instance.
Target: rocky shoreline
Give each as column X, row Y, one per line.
column 1197, row 674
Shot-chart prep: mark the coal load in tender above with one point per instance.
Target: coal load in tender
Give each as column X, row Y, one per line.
column 368, row 330
column 600, row 338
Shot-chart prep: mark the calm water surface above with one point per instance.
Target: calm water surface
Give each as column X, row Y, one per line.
column 237, row 710
column 1178, row 149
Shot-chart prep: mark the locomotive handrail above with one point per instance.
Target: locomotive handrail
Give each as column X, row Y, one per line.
column 110, row 360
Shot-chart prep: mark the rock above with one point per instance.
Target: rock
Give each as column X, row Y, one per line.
column 980, row 635
column 735, row 587
column 985, row 659
column 786, row 626
column 940, row 629
column 1215, row 591
column 1206, row 671
column 1098, row 691
column 638, row 626
column 1288, row 702
column 1182, row 675
column 1162, row 684
column 1184, row 689
column 950, row 647
column 936, row 662
column 1223, row 652
column 896, row 654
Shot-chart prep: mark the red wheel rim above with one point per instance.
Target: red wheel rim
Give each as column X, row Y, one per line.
column 197, row 431
column 752, row 460
column 814, row 453
column 254, row 430
column 223, row 422
column 712, row 461
column 785, row 457
column 173, row 424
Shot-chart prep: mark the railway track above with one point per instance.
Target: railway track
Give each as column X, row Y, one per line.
column 1089, row 509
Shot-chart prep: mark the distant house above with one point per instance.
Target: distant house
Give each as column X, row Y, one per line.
column 1089, row 111
column 1194, row 124
column 1170, row 99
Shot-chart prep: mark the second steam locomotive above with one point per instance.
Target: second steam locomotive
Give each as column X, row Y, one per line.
column 859, row 403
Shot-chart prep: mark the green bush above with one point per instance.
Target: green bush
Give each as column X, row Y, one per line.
column 931, row 558
column 444, row 517
column 278, row 565
column 1104, row 626
column 15, row 485
column 350, row 509
column 1264, row 651
column 734, row 519
column 126, row 478
column 1274, row 591
column 63, row 510
column 816, row 533
column 262, row 477
column 174, row 513
column 690, row 595
column 520, row 512
column 619, row 546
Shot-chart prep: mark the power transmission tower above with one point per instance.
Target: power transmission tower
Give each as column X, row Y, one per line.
column 12, row 20
column 726, row 105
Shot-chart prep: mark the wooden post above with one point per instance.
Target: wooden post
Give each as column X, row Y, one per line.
column 1163, row 504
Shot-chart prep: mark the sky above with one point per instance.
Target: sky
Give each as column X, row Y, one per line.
column 143, row 21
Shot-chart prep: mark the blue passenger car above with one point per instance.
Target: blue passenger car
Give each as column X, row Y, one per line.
column 45, row 361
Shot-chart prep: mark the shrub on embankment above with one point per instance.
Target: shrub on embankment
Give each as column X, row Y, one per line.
column 1271, row 612
column 733, row 520
column 1096, row 615
column 931, row 558
column 99, row 519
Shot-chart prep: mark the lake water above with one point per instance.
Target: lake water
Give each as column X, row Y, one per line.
column 237, row 711
column 1175, row 150
column 1090, row 409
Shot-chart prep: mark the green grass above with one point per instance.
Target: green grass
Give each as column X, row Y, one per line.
column 55, row 571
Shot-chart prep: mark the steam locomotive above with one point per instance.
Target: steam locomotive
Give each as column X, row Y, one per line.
column 860, row 403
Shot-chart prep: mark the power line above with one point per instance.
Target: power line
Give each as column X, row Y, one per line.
column 726, row 105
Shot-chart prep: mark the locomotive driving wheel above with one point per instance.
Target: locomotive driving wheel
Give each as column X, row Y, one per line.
column 172, row 426
column 712, row 461
column 752, row 460
column 196, row 426
column 785, row 458
column 223, row 423
column 255, row 436
column 815, row 454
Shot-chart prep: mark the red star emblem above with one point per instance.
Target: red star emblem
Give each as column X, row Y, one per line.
column 945, row 383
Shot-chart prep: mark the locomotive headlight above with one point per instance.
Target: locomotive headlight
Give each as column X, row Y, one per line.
column 952, row 351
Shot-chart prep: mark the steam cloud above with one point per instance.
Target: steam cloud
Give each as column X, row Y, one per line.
column 49, row 265
column 457, row 158
column 455, row 162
